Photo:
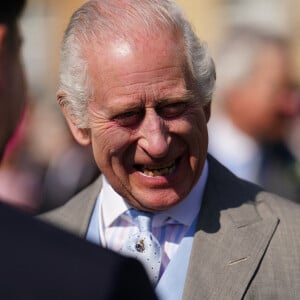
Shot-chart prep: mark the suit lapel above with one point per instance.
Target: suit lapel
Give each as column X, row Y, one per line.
column 231, row 238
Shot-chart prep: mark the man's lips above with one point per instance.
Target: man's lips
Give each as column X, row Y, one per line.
column 159, row 169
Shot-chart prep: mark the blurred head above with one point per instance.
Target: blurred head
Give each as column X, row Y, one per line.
column 254, row 83
column 12, row 84
column 136, row 83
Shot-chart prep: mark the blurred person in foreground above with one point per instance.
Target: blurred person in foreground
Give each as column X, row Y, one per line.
column 136, row 84
column 255, row 105
column 39, row 261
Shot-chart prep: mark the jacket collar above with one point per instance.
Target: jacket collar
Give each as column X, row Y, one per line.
column 234, row 229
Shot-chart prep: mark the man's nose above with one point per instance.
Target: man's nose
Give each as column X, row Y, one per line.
column 154, row 137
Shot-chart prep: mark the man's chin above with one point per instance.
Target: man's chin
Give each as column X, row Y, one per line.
column 154, row 202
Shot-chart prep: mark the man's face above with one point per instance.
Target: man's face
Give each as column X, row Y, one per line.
column 12, row 88
column 265, row 104
column 147, row 129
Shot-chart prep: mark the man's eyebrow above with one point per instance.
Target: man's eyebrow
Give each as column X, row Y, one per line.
column 127, row 106
column 187, row 96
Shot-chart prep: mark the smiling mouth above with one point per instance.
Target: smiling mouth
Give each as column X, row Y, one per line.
column 158, row 170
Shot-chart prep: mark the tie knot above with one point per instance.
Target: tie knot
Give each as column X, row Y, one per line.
column 142, row 219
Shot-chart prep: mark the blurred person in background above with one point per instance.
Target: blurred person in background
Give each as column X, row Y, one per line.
column 255, row 105
column 38, row 261
column 293, row 136
column 136, row 84
column 43, row 166
column 20, row 179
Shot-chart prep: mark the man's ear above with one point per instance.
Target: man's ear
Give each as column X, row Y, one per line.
column 3, row 32
column 81, row 135
column 207, row 110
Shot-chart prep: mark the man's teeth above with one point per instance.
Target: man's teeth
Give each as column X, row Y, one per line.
column 159, row 171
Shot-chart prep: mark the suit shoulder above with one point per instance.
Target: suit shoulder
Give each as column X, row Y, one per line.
column 286, row 210
column 75, row 214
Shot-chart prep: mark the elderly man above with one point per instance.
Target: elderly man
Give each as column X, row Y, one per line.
column 38, row 261
column 136, row 84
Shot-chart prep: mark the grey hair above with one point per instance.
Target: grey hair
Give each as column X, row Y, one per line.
column 101, row 20
column 238, row 53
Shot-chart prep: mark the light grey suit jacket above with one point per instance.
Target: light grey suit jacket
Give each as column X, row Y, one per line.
column 246, row 246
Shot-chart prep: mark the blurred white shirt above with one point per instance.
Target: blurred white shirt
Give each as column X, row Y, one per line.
column 233, row 148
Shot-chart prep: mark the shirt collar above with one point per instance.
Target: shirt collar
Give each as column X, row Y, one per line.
column 113, row 205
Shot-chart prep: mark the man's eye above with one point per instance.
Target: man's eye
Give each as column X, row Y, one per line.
column 128, row 119
column 172, row 110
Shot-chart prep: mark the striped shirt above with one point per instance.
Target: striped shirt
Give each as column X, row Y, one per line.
column 169, row 227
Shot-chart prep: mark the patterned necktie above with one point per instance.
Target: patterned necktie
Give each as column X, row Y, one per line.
column 143, row 245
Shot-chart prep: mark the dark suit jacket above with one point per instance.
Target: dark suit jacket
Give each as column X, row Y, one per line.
column 246, row 246
column 279, row 171
column 40, row 262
